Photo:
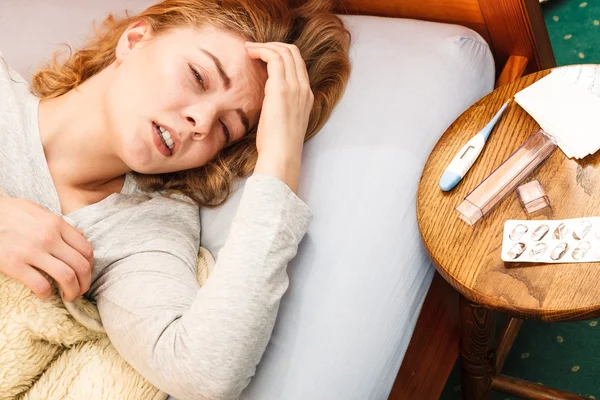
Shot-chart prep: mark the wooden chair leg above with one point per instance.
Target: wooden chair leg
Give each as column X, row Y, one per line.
column 476, row 350
column 530, row 390
column 505, row 340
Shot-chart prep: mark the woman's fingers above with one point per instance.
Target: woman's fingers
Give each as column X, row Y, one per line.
column 74, row 260
column 287, row 57
column 299, row 62
column 32, row 278
column 275, row 62
column 32, row 239
column 78, row 253
column 294, row 66
column 61, row 272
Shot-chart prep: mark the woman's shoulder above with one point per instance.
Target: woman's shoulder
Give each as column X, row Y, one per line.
column 134, row 213
column 145, row 222
column 176, row 216
column 158, row 208
column 129, row 224
column 173, row 206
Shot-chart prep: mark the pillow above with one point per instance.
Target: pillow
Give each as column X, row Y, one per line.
column 32, row 30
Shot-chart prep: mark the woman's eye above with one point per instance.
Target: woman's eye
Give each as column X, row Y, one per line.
column 197, row 76
column 225, row 132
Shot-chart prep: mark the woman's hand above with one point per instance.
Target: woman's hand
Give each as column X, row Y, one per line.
column 32, row 239
column 285, row 111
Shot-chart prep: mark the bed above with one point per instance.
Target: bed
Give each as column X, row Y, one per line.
column 366, row 316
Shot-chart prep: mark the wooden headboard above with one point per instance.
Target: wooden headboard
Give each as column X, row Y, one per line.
column 511, row 27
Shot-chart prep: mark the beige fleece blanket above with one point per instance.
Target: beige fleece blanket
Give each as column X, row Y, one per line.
column 53, row 350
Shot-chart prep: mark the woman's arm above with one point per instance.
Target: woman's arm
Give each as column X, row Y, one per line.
column 205, row 343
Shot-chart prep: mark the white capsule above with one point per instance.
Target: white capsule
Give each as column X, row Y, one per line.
column 538, row 250
column 559, row 251
column 581, row 250
column 561, row 232
column 539, row 232
column 516, row 250
column 518, row 232
column 582, row 230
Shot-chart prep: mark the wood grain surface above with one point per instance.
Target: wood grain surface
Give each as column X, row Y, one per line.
column 477, row 353
column 464, row 12
column 529, row 390
column 517, row 28
column 510, row 27
column 468, row 257
column 513, row 70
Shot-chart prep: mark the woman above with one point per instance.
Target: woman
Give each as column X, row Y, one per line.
column 125, row 139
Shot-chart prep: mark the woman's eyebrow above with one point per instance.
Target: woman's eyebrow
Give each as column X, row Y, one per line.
column 224, row 77
column 244, row 119
column 227, row 84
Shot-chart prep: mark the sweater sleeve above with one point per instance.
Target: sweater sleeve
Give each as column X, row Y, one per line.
column 205, row 343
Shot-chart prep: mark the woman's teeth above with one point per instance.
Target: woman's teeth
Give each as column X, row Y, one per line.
column 166, row 137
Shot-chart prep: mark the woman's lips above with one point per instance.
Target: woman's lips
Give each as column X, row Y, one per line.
column 158, row 142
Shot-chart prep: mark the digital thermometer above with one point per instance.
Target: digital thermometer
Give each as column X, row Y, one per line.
column 464, row 159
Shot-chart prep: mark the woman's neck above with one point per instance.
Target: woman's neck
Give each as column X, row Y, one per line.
column 76, row 137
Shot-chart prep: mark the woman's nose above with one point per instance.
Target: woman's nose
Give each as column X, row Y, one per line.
column 199, row 123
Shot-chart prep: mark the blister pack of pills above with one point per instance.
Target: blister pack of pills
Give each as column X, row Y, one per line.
column 552, row 241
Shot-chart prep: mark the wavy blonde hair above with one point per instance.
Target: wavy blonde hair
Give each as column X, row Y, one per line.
column 320, row 35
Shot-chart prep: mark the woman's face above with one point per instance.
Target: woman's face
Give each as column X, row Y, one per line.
column 180, row 97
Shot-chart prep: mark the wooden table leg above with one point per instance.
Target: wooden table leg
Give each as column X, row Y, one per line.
column 476, row 350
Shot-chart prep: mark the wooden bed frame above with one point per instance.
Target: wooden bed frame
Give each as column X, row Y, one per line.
column 517, row 35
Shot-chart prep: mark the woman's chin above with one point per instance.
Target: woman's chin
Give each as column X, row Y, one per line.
column 142, row 161
column 139, row 159
column 148, row 168
column 145, row 169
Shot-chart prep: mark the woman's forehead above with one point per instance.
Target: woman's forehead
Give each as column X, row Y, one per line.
column 225, row 56
column 225, row 53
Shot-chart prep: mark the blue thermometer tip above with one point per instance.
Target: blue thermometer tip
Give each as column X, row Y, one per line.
column 485, row 132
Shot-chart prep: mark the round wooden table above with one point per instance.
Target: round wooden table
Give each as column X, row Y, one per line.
column 468, row 257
